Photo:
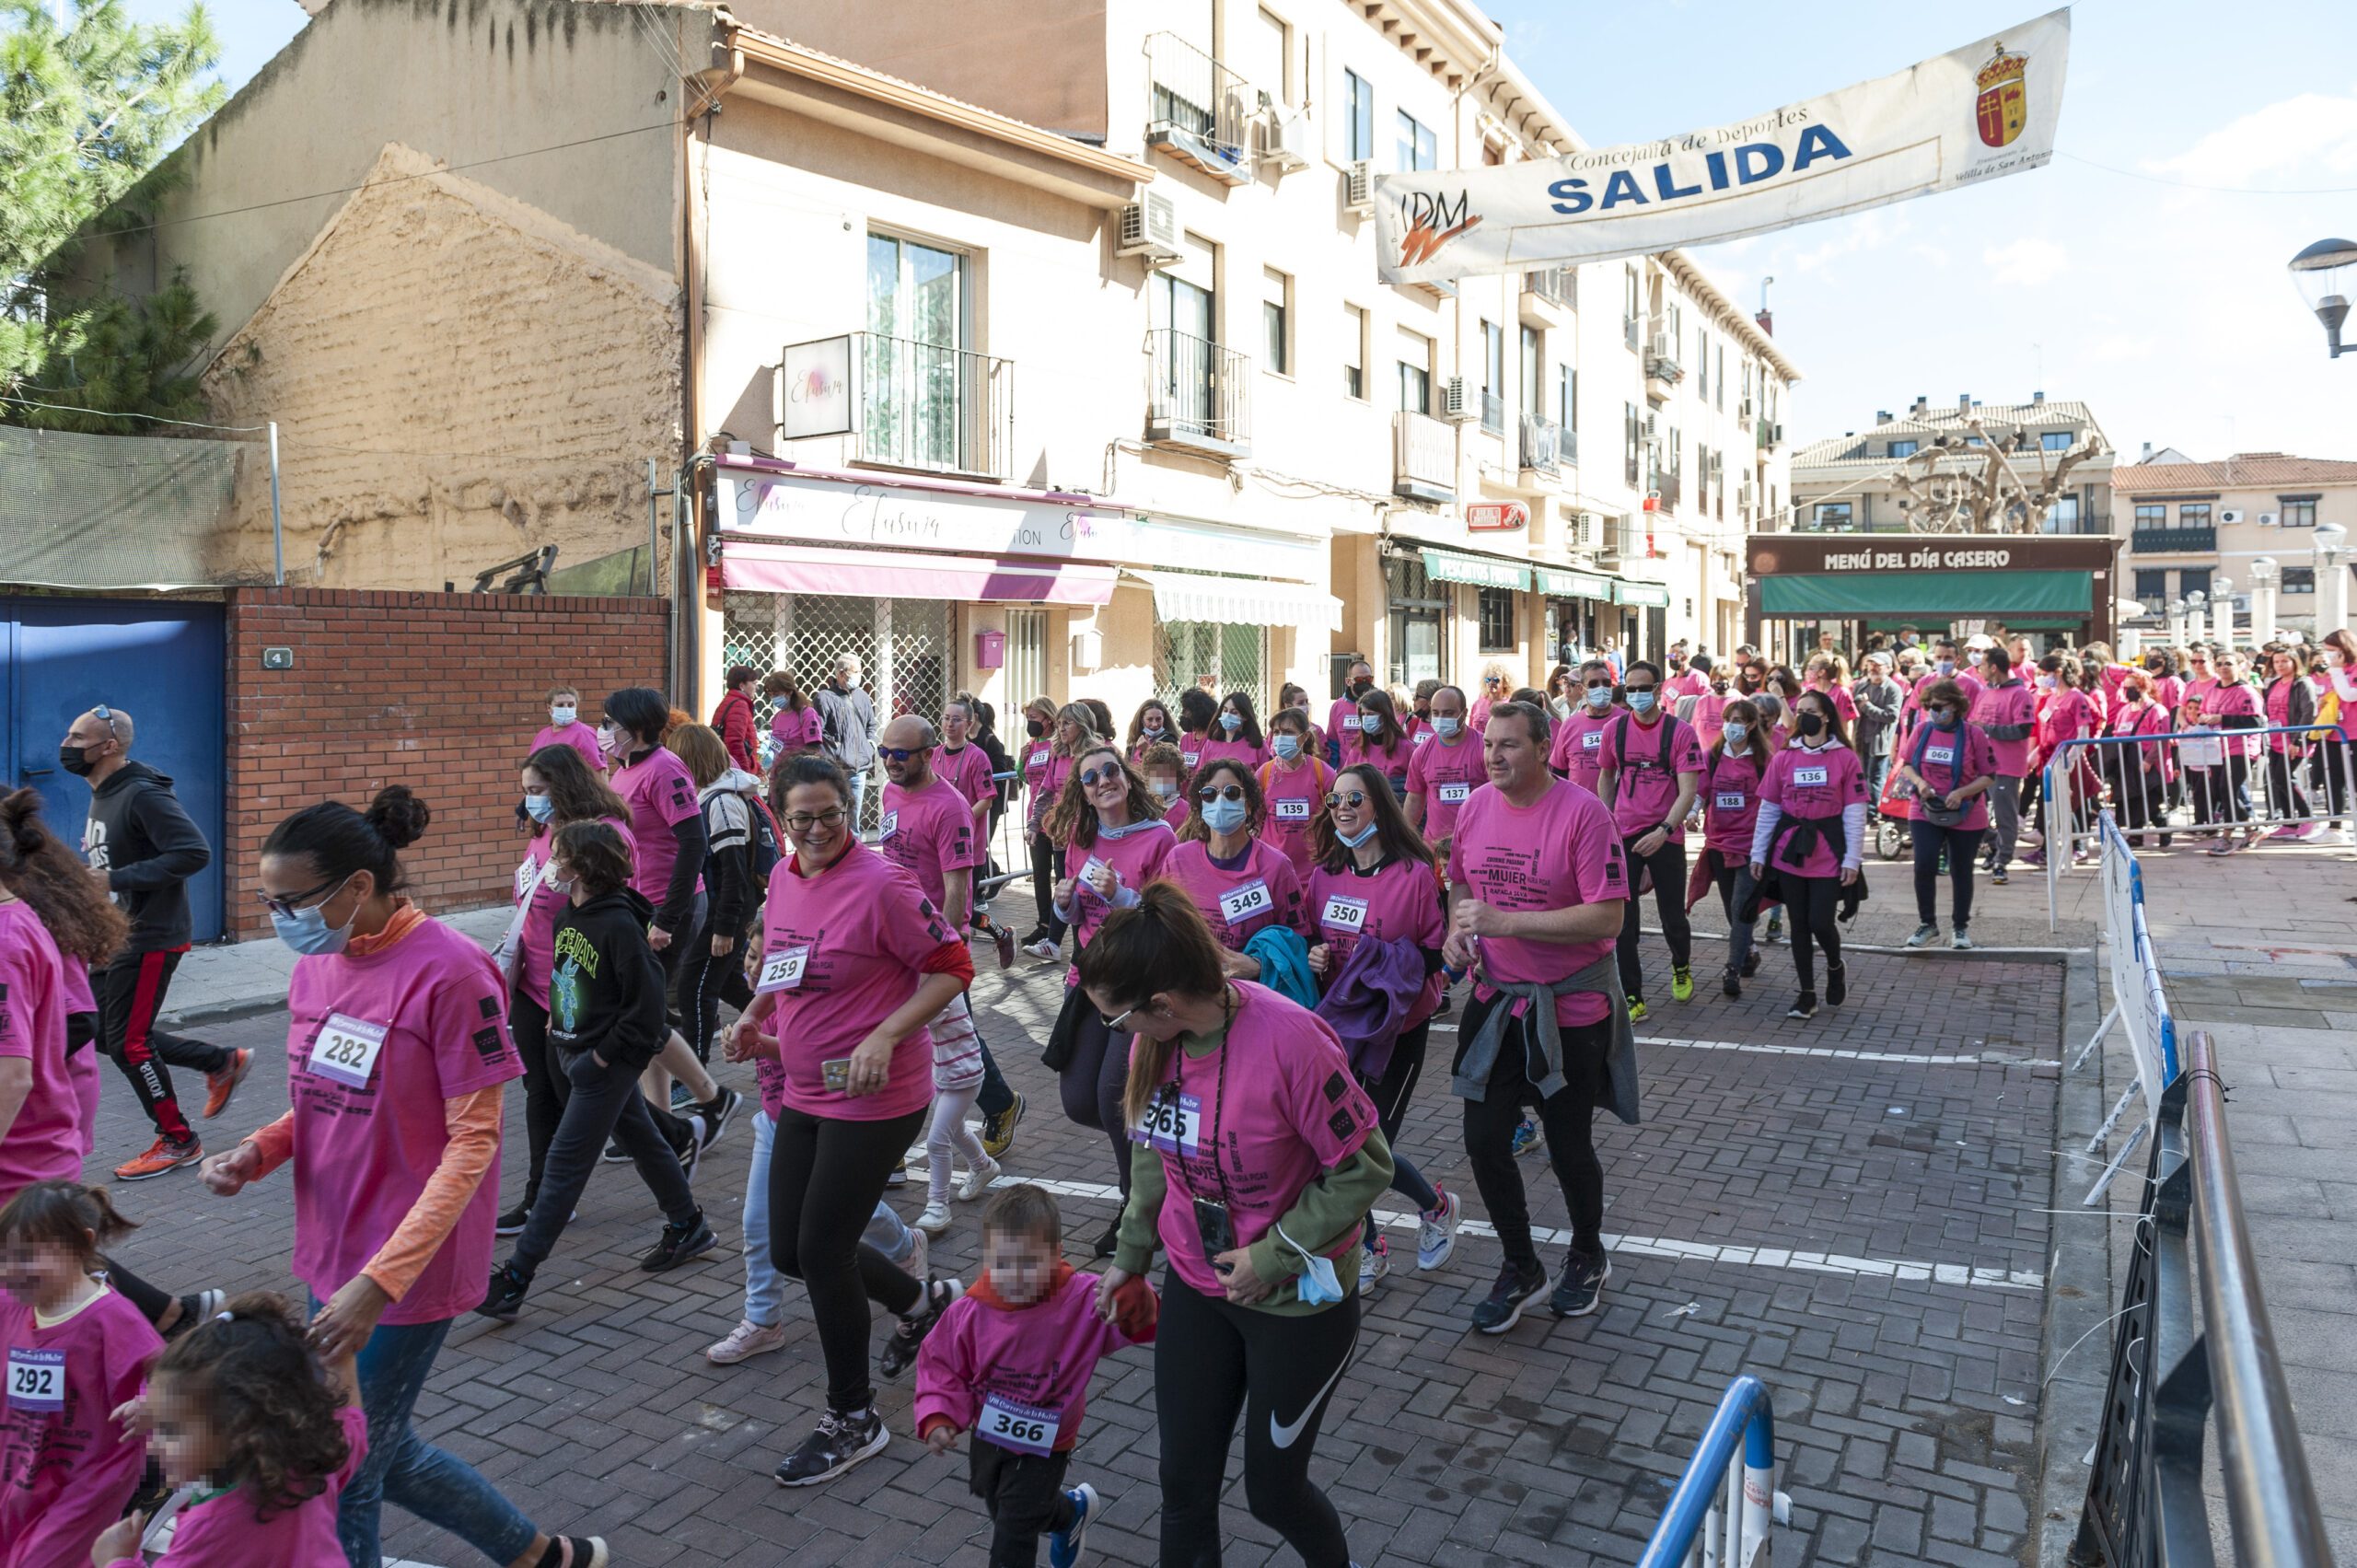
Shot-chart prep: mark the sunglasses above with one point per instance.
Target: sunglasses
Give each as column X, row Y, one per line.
column 1210, row 793
column 1094, row 776
column 1115, row 1023
column 285, row 907
column 803, row 821
column 1596, row 686
column 1353, row 801
column 896, row 753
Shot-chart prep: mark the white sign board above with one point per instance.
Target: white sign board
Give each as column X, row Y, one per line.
column 821, row 389
column 1963, row 118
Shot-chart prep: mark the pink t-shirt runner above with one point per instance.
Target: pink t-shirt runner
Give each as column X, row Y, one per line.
column 966, row 770
column 1445, row 773
column 82, row 1066
column 1392, row 759
column 375, row 1048
column 1947, row 759
column 1646, row 790
column 534, row 946
column 1397, row 902
column 1560, row 851
column 662, row 794
column 797, row 729
column 578, row 736
column 2004, row 707
column 1709, row 712
column 67, row 1467
column 840, row 953
column 1277, row 1103
column 1294, row 798
column 1577, row 750
column 1815, row 784
column 45, row 1143
column 1264, row 891
column 1343, row 726
column 225, row 1531
column 1729, row 791
column 928, row 832
column 1139, row 856
column 1190, row 751
column 1039, row 1357
column 1242, row 753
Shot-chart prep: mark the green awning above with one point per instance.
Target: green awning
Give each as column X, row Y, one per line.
column 1481, row 571
column 1930, row 595
column 2012, row 623
column 1651, row 594
column 1572, row 585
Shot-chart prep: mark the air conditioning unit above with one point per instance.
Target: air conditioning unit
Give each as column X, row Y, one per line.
column 1458, row 403
column 1286, row 139
column 1647, row 430
column 1658, row 345
column 1150, row 228
column 1743, row 408
column 1586, row 528
column 2230, row 517
column 2268, row 519
column 1358, row 194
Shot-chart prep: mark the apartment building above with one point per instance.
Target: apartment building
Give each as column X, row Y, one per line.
column 1848, row 483
column 2243, row 531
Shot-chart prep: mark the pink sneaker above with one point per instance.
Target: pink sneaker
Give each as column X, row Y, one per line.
column 745, row 1340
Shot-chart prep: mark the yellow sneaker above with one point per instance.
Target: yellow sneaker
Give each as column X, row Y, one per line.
column 1637, row 1007
column 1681, row 983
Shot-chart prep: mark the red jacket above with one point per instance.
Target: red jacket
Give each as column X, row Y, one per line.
column 734, row 720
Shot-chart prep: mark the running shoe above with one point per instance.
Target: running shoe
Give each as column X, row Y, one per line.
column 1998, row 878
column 1806, row 1008
column 977, row 1180
column 504, row 1300
column 1962, row 939
column 1582, row 1286
column 677, row 1245
column 1751, row 963
column 1507, row 1297
column 683, row 1098
column 714, row 1114
column 1637, row 1009
column 1681, row 982
column 165, row 1155
column 220, row 1085
column 1003, row 940
column 1731, row 986
column 1525, row 1137
column 1775, row 927
column 899, row 1177
column 1374, row 1260
column 513, row 1221
column 2288, row 831
column 1063, row 1545
column 1436, row 1231
column 2226, row 845
column 1837, row 984
column 197, row 1307
column 998, row 1131
column 839, row 1443
column 579, row 1552
column 745, row 1340
column 690, row 1150
column 899, row 1351
column 934, row 1220
column 918, row 1264
column 615, row 1153
column 1441, row 1011
column 1110, row 1242
column 1042, row 948
column 1923, row 934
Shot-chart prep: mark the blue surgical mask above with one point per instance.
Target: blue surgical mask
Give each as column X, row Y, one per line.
column 1353, row 841
column 307, row 930
column 542, row 808
column 1224, row 815
column 1446, row 727
column 1640, row 701
column 1599, row 696
column 562, row 716
column 1286, row 746
column 1318, row 1283
column 1231, row 722
column 1733, row 732
column 1945, row 667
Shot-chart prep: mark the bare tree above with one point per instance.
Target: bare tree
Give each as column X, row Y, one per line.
column 1953, row 486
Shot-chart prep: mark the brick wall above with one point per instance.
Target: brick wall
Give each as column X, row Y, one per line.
column 442, row 692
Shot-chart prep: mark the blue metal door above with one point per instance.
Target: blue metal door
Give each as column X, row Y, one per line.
column 160, row 661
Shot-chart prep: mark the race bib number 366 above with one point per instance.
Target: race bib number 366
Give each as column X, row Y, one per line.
column 1026, row 1429
column 347, row 1050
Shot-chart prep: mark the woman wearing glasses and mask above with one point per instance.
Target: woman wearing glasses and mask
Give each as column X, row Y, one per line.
column 1241, row 885
column 1256, row 1154
column 1115, row 842
column 855, row 959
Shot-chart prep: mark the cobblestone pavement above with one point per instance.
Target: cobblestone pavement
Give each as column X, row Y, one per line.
column 1853, row 1209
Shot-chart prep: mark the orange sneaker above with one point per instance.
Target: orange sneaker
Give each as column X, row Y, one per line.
column 164, row 1156
column 220, row 1085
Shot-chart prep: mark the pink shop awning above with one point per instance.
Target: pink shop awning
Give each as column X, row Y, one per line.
column 878, row 574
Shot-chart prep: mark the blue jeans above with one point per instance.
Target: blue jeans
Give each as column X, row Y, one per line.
column 403, row 1468
column 764, row 1286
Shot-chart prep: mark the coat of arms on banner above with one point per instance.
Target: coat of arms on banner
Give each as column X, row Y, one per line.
column 2003, row 108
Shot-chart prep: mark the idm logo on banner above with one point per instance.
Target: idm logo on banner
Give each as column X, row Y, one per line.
column 1987, row 110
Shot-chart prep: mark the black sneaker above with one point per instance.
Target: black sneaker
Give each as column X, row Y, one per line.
column 615, row 1153
column 1805, row 1007
column 512, row 1223
column 1507, row 1297
column 1441, row 1011
column 714, row 1114
column 899, row 1351
column 899, row 1177
column 677, row 1245
column 1582, row 1284
column 505, row 1300
column 1837, row 983
column 692, row 1146
column 1731, row 986
column 197, row 1307
column 839, row 1443
column 1751, row 963
column 998, row 1128
column 1110, row 1242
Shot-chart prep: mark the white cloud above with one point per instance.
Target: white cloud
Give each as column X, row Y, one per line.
column 2312, row 132
column 2119, row 346
column 2027, row 261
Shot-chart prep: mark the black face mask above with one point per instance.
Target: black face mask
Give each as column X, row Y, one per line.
column 75, row 760
column 1037, row 728
column 1809, row 723
column 1359, row 687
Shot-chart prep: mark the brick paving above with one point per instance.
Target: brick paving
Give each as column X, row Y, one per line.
column 1906, row 1379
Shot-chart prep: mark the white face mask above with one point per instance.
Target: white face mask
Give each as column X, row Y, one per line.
column 560, row 717
column 1735, row 735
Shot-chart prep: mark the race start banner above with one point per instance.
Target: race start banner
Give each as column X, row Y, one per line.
column 1970, row 115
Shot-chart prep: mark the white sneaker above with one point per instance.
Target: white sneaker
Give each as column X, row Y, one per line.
column 1043, row 948
column 978, row 1180
column 745, row 1340
column 918, row 1264
column 934, row 1220
column 1436, row 1231
column 1374, row 1261
column 1961, row 940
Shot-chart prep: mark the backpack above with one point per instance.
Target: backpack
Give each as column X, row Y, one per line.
column 768, row 845
column 1620, row 741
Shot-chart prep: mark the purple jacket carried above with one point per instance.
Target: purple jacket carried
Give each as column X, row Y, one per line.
column 1369, row 1000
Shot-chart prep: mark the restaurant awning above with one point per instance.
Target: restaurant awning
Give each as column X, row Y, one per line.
column 1554, row 580
column 1936, row 596
column 1244, row 601
column 764, row 568
column 1481, row 571
column 1653, row 595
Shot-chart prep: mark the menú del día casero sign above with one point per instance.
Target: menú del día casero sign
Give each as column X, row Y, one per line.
column 1975, row 113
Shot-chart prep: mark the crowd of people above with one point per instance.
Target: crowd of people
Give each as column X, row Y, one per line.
column 1261, row 917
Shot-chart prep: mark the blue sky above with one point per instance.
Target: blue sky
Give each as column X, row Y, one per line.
column 2165, row 309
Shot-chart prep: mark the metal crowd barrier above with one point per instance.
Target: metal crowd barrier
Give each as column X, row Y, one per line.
column 1719, row 1515
column 2238, row 792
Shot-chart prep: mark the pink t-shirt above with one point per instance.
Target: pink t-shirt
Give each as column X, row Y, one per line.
column 797, row 729
column 929, row 832
column 1729, row 791
column 417, row 1025
column 539, row 927
column 1398, row 901
column 1175, row 812
column 2002, row 706
column 2143, row 718
column 1294, row 800
column 1039, row 1357
column 2068, row 716
column 1709, row 712
column 1646, row 790
column 1278, row 1104
column 1343, row 724
column 966, row 770
column 45, row 1143
column 1045, row 773
column 1190, row 751
column 225, row 1531
column 1240, row 904
column 1815, row 784
column 662, row 794
column 1947, row 759
column 1138, row 857
column 1843, row 704
column 1445, row 773
column 1392, row 759
column 1242, row 753
column 1560, row 851
column 1577, row 750
column 67, row 1467
column 840, row 953
column 578, row 736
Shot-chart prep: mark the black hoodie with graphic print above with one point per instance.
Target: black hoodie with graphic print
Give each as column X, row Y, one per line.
column 605, row 983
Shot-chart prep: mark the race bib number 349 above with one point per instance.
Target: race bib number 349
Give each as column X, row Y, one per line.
column 1240, row 904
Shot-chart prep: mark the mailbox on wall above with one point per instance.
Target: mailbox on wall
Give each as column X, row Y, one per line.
column 989, row 650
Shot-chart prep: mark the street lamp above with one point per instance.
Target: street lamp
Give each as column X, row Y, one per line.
column 2323, row 273
column 2329, row 548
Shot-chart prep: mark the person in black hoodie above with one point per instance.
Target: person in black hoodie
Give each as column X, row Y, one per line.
column 147, row 849
column 606, row 1023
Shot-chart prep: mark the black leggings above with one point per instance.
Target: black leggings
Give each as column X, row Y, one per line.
column 826, row 1177
column 1215, row 1360
column 2138, row 790
column 1568, row 1116
column 1733, row 878
column 1391, row 1094
column 1094, row 1081
column 528, row 1021
column 706, row 981
column 2331, row 759
column 1812, row 901
column 1962, row 845
column 1669, row 866
column 1047, row 870
column 2284, row 796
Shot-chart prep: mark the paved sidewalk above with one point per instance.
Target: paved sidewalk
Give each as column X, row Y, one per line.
column 221, row 980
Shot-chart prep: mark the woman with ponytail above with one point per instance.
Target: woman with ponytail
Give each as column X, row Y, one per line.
column 397, row 1052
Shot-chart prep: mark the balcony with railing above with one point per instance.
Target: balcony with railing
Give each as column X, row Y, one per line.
column 1197, row 395
column 1541, row 446
column 1671, row 487
column 1198, row 111
column 926, row 406
column 1549, row 297
column 1423, row 458
column 1494, row 412
column 2174, row 541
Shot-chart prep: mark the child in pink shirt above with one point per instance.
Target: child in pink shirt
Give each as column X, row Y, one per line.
column 1011, row 1359
column 241, row 1413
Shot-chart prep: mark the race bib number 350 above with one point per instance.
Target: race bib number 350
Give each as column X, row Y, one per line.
column 1343, row 913
column 1026, row 1429
column 36, row 1379
column 347, row 1050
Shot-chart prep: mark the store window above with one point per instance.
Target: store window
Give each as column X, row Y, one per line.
column 1418, row 606
column 1219, row 656
column 1026, row 660
column 913, row 373
column 1353, row 352
column 1497, row 621
column 2299, row 580
column 2151, row 588
column 1276, row 311
column 2193, row 580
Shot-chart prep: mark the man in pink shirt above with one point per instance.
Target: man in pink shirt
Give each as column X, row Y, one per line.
column 1342, row 718
column 1648, row 774
column 2005, row 710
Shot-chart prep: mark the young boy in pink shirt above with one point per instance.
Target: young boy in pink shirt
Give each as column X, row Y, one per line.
column 1012, row 1358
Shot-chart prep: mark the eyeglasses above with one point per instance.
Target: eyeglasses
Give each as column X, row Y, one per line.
column 1094, row 776
column 285, row 907
column 1210, row 793
column 1353, row 801
column 803, row 821
column 1115, row 1023
column 896, row 753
